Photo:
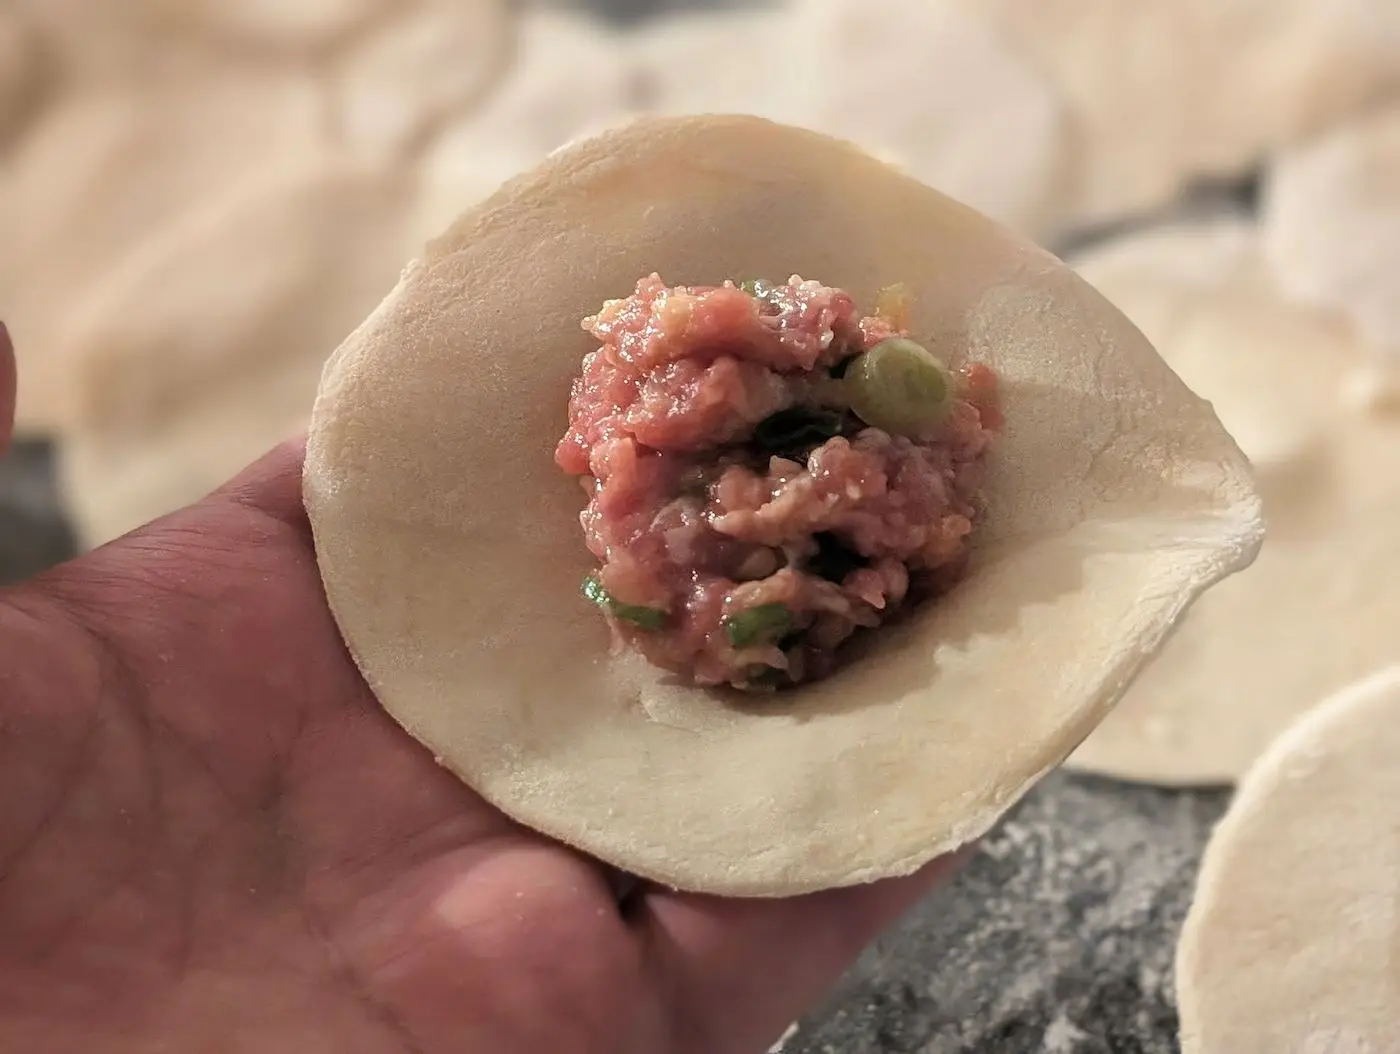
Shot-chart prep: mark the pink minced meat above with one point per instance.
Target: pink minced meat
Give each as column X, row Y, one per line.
column 688, row 518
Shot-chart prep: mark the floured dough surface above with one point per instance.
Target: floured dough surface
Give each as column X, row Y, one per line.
column 763, row 60
column 909, row 69
column 1331, row 218
column 1278, row 70
column 449, row 543
column 428, row 64
column 292, row 27
column 1316, row 610
column 568, row 80
column 1290, row 941
column 23, row 68
column 1160, row 94
column 109, row 168
column 205, row 348
column 1126, row 74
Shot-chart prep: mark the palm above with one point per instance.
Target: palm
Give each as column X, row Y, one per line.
column 279, row 861
column 212, row 839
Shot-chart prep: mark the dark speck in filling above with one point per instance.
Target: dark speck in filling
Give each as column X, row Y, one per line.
column 839, row 370
column 797, row 431
column 834, row 560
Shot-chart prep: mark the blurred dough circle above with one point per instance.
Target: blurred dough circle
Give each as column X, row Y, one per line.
column 1290, row 941
column 449, row 545
column 271, row 25
column 905, row 93
column 1331, row 217
column 22, row 63
column 1317, row 609
column 672, row 66
column 205, row 348
column 109, row 168
column 567, row 80
column 432, row 61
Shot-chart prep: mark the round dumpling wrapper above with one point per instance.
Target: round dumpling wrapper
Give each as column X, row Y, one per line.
column 205, row 348
column 1005, row 156
column 568, row 80
column 1315, row 611
column 673, row 65
column 413, row 73
column 1331, row 216
column 1290, row 941
column 23, row 73
column 106, row 170
column 450, row 548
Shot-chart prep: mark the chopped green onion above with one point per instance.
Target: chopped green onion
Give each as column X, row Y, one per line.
column 759, row 625
column 899, row 387
column 755, row 287
column 645, row 617
column 594, row 591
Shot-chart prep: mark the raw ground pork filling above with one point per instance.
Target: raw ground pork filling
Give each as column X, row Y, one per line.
column 747, row 513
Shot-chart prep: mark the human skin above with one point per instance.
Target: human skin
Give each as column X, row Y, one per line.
column 212, row 839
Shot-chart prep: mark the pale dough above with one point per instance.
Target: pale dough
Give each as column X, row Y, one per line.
column 204, row 349
column 23, row 70
column 416, row 73
column 1290, row 943
column 1331, row 218
column 941, row 93
column 1319, row 606
column 759, row 61
column 568, row 80
column 1278, row 70
column 449, row 544
column 1126, row 71
column 1162, row 93
column 275, row 27
column 108, row 168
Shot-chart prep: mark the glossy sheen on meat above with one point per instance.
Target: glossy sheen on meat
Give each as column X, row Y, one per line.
column 692, row 519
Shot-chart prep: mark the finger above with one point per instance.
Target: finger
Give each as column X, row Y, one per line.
column 8, row 388
column 739, row 971
column 272, row 484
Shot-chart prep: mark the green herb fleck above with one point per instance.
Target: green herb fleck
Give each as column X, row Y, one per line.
column 638, row 615
column 758, row 625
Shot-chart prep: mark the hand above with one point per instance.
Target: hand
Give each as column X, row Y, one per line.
column 212, row 839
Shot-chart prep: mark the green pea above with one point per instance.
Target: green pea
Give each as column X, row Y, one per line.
column 899, row 387
column 644, row 617
column 758, row 625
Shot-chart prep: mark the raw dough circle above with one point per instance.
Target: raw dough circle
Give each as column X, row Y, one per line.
column 1317, row 609
column 568, row 80
column 674, row 67
column 434, row 61
column 1331, row 216
column 205, row 348
column 1125, row 73
column 449, row 544
column 1005, row 154
column 107, row 169
column 23, row 72
column 1290, row 941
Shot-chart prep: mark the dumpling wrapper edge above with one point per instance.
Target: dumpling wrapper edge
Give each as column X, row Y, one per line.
column 449, row 543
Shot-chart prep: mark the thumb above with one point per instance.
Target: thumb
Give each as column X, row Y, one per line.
column 7, row 388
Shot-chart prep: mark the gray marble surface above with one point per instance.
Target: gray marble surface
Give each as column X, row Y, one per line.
column 1057, row 937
